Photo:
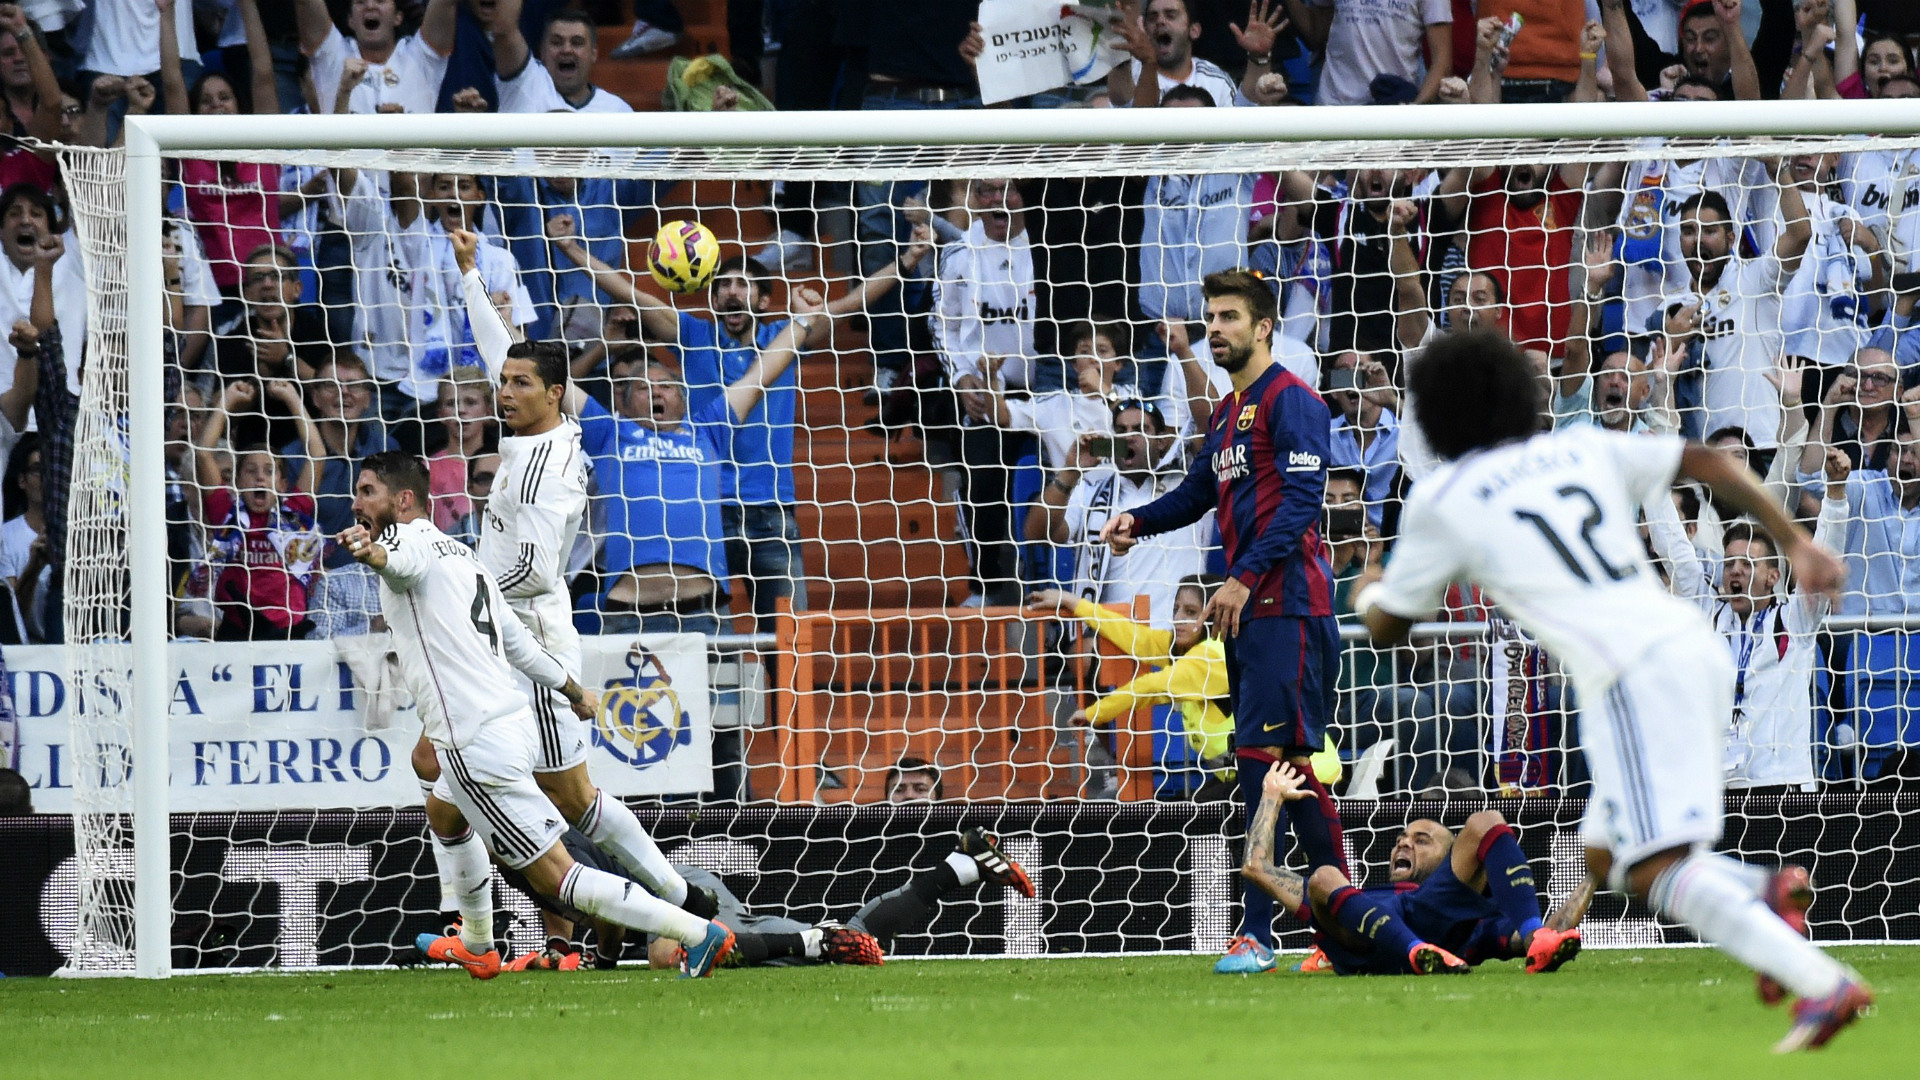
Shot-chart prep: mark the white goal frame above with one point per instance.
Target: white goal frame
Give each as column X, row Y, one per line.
column 1109, row 139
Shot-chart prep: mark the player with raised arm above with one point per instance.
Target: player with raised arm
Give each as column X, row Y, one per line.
column 457, row 657
column 1264, row 467
column 1546, row 523
column 539, row 499
column 1452, row 902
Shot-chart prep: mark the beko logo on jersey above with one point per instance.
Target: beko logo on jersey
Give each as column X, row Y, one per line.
column 1230, row 462
column 1301, row 461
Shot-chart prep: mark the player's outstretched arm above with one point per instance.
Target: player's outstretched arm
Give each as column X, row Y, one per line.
column 1283, row 784
column 525, row 654
column 490, row 333
column 1818, row 570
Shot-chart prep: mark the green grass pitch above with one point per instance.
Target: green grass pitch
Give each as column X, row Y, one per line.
column 1662, row 1013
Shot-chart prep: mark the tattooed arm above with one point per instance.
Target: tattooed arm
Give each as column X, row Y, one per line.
column 1569, row 913
column 1283, row 784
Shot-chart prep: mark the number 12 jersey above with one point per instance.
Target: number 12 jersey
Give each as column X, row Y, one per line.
column 1549, row 528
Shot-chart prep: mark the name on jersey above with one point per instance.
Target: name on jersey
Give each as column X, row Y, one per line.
column 452, row 549
column 1230, row 462
column 1532, row 465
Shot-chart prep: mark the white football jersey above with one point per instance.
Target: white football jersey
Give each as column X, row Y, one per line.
column 1739, row 322
column 1549, row 528
column 539, row 497
column 457, row 643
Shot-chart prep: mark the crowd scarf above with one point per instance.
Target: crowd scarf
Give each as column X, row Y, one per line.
column 1518, row 705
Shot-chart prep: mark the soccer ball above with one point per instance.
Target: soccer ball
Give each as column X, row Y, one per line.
column 684, row 256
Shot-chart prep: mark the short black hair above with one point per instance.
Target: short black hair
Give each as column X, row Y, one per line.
column 1349, row 473
column 1731, row 431
column 1499, row 287
column 16, row 795
column 911, row 764
column 1183, row 92
column 38, row 197
column 1116, row 331
column 12, row 496
column 1246, row 285
column 1748, row 533
column 1689, row 502
column 570, row 15
column 1706, row 200
column 741, row 266
column 1473, row 389
column 1699, row 9
column 401, row 471
column 549, row 360
column 1695, row 80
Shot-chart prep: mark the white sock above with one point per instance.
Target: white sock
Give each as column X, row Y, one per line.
column 810, row 940
column 448, row 901
column 614, row 830
column 472, row 886
column 965, row 867
column 616, row 900
column 1713, row 899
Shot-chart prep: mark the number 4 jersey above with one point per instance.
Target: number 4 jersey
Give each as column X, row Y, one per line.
column 1549, row 528
column 457, row 642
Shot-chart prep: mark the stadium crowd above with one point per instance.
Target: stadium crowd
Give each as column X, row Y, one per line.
column 1040, row 339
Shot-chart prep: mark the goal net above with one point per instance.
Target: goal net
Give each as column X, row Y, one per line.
column 846, row 608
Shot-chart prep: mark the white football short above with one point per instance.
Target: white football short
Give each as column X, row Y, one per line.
column 1655, row 740
column 491, row 781
column 563, row 736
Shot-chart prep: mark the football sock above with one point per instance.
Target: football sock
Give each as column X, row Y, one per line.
column 907, row 907
column 447, row 900
column 1510, row 879
column 1710, row 894
column 966, row 869
column 759, row 948
column 1258, row 921
column 1316, row 825
column 616, row 900
column 1365, row 918
column 472, row 886
column 614, row 830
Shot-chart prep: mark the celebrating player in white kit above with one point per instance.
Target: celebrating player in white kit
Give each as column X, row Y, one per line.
column 1546, row 523
column 458, row 651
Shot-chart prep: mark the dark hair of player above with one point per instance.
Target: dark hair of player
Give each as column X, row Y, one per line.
column 1204, row 584
column 570, row 15
column 400, row 471
column 1247, row 286
column 910, row 764
column 1685, row 81
column 1183, row 92
column 549, row 360
column 1706, row 200
column 1473, row 389
column 1748, row 533
column 1354, row 476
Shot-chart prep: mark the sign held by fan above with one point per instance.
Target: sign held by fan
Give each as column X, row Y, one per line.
column 1032, row 46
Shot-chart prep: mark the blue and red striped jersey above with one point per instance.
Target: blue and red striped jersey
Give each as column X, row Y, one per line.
column 1264, row 468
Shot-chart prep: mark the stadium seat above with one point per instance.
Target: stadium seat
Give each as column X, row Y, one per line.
column 1883, row 696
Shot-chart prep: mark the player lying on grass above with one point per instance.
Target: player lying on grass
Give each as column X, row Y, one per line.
column 1453, row 903
column 776, row 939
column 458, row 647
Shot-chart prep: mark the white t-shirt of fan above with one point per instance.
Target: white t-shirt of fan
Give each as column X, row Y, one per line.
column 1869, row 181
column 410, row 77
column 126, row 36
column 983, row 303
column 1153, row 567
column 532, row 91
column 1822, row 312
column 1739, row 324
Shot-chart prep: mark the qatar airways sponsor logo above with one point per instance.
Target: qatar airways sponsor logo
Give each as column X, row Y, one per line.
column 1230, row 462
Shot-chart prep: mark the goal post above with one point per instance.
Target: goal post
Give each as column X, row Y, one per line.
column 127, row 300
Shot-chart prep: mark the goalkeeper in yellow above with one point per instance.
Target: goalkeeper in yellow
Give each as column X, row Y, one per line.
column 1187, row 667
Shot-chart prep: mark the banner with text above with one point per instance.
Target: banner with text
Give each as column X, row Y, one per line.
column 284, row 725
column 1032, row 46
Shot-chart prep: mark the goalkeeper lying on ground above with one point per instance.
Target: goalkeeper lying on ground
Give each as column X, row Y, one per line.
column 775, row 939
column 1453, row 902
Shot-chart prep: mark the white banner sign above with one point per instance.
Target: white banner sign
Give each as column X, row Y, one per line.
column 1034, row 45
column 280, row 725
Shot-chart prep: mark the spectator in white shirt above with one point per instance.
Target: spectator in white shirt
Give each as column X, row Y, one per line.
column 1143, row 462
column 1161, row 40
column 125, row 36
column 1365, row 39
column 560, row 79
column 400, row 71
column 1192, row 226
